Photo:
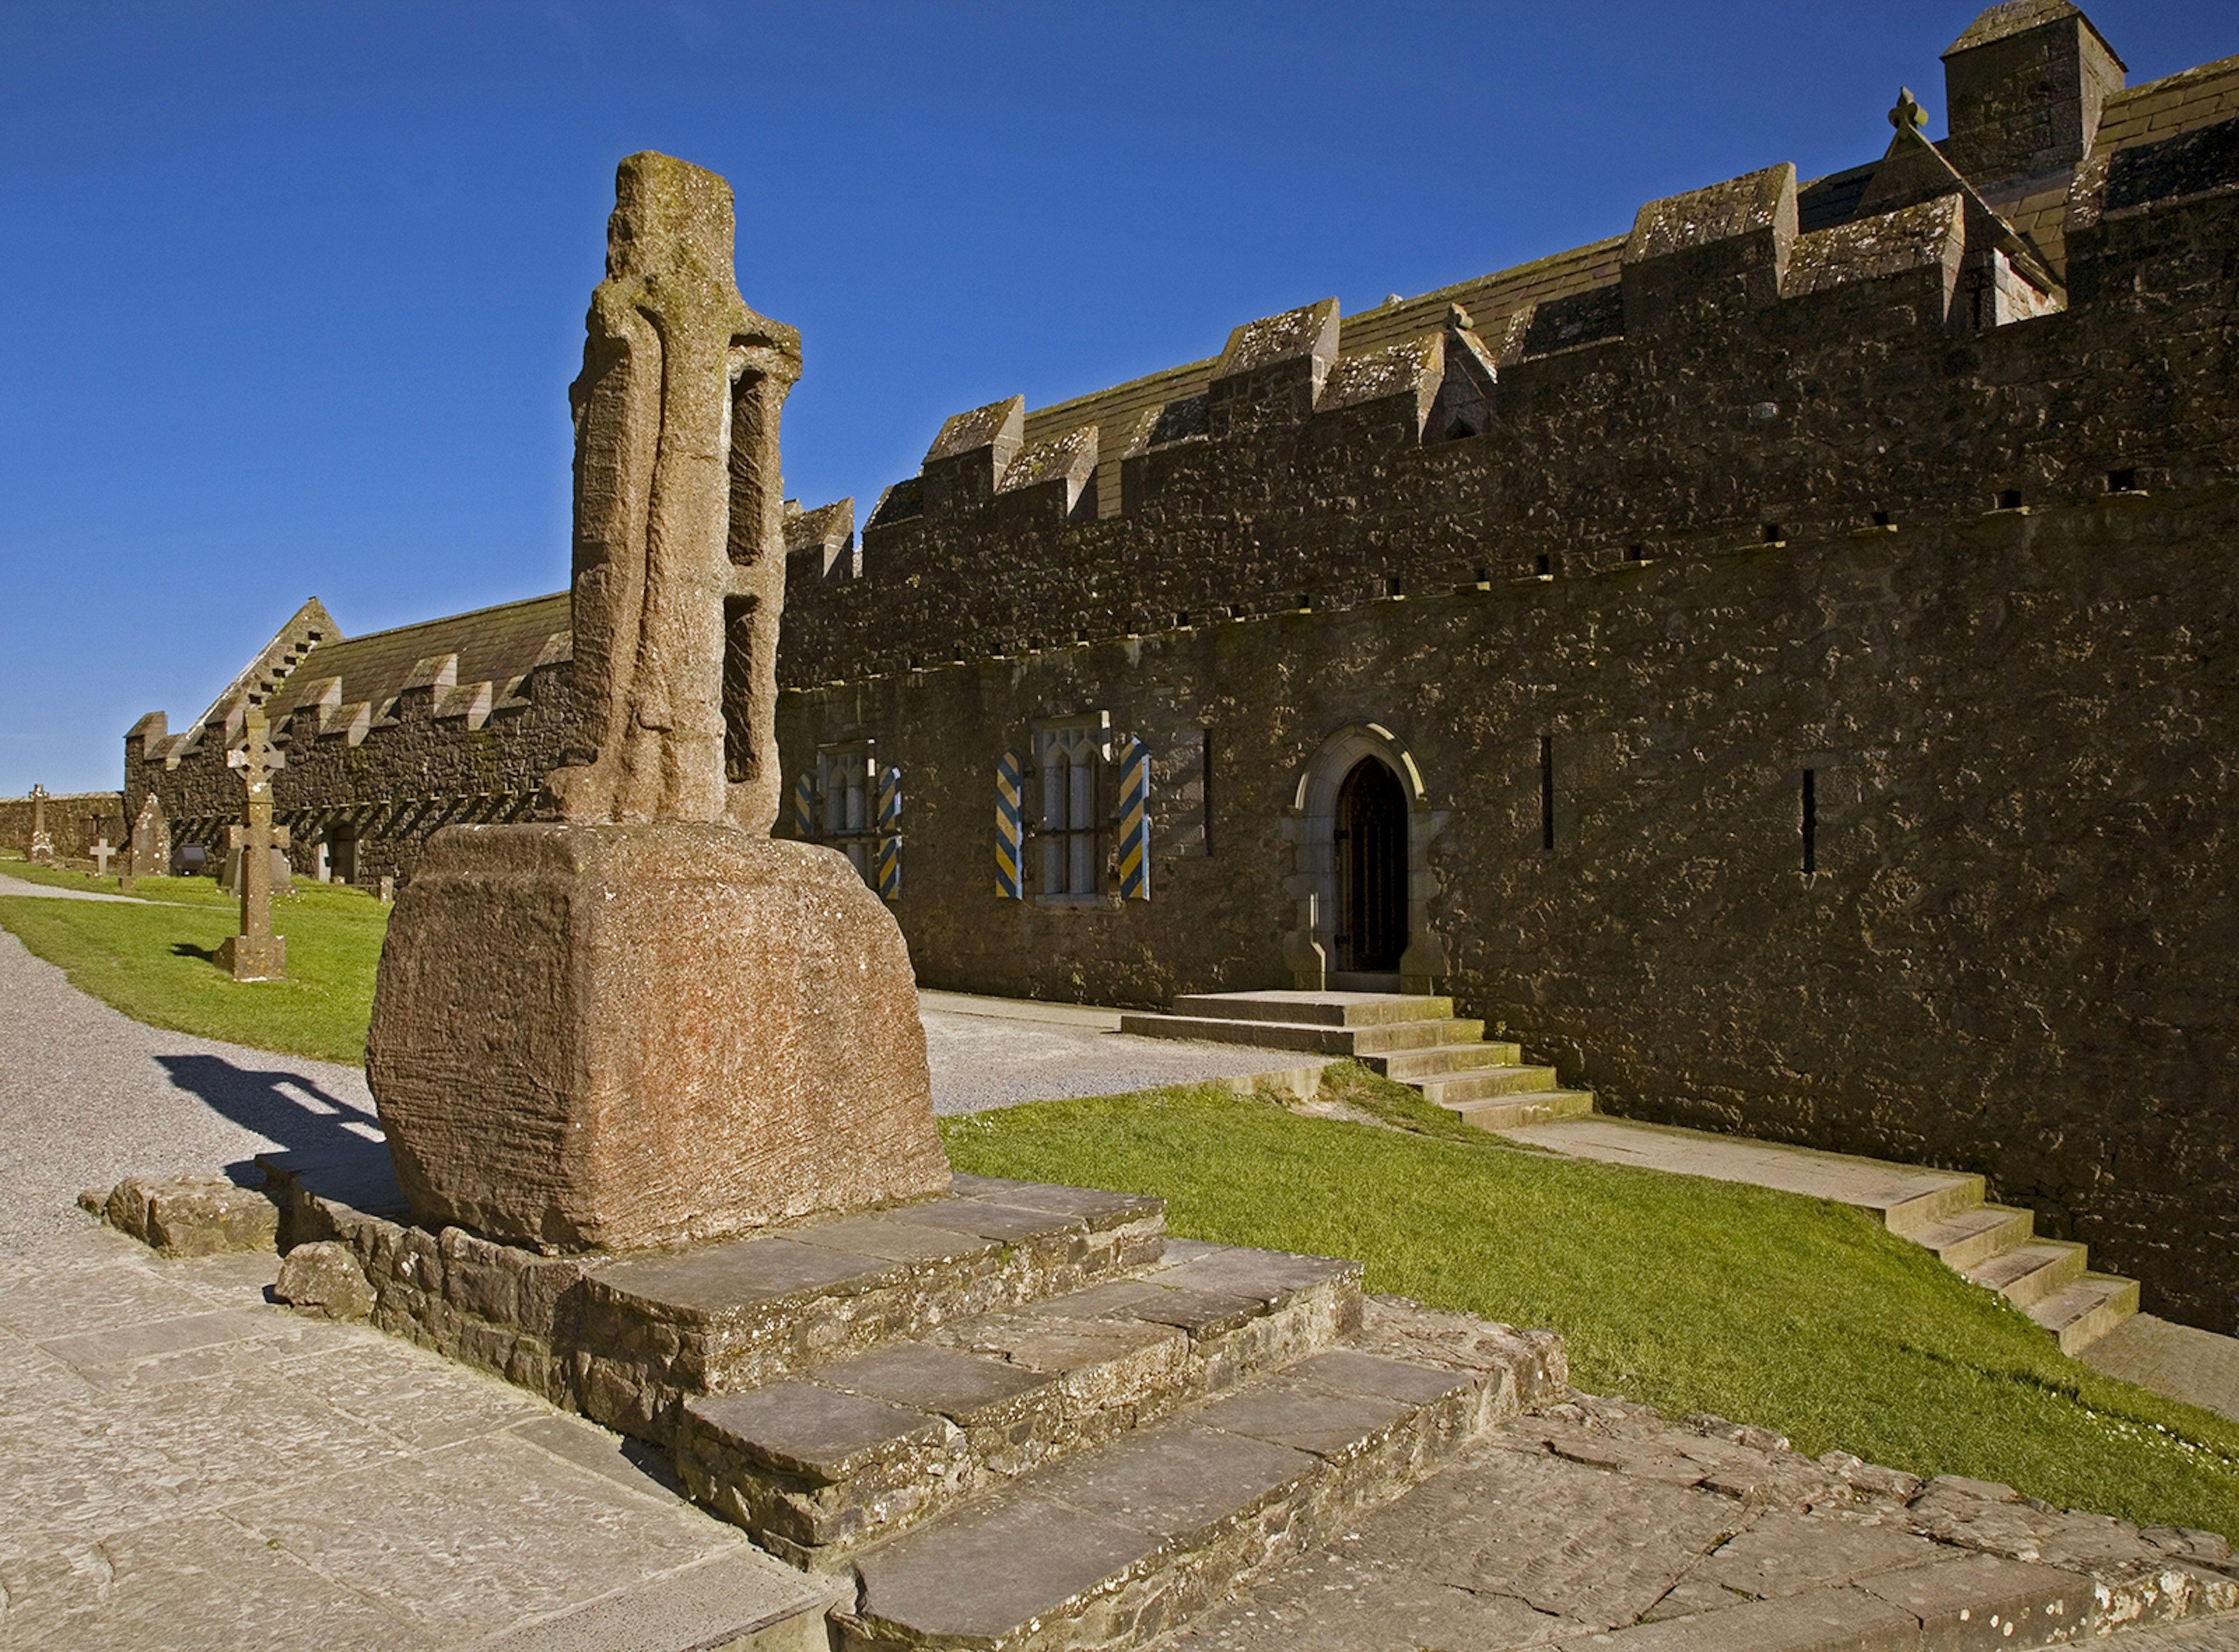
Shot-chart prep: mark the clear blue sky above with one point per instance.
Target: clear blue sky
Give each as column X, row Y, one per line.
column 297, row 290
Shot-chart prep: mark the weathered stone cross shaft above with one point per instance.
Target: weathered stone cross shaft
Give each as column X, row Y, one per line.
column 642, row 1020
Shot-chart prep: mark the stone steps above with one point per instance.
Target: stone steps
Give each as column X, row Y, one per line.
column 1515, row 1113
column 2080, row 1314
column 1320, row 1009
column 2029, row 1273
column 1131, row 1540
column 1021, row 1415
column 1490, row 1083
column 1976, row 1236
column 1440, row 1061
column 851, row 1452
column 1945, row 1210
column 1410, row 1040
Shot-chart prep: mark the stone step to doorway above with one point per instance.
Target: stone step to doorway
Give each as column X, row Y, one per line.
column 1995, row 1247
column 1492, row 1084
column 1444, row 1060
column 1135, row 1537
column 1318, row 1037
column 1323, row 1009
column 854, row 1451
column 1504, row 1113
column 1412, row 1040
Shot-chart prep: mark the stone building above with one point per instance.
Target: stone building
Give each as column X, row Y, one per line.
column 1777, row 663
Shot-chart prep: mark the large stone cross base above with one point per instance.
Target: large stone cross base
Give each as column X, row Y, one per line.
column 607, row 1037
column 254, row 957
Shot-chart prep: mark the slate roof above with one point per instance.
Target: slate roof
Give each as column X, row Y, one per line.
column 497, row 645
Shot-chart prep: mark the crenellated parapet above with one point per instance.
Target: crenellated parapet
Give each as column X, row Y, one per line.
column 1757, row 360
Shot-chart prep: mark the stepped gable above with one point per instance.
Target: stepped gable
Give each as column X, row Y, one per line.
column 309, row 627
column 469, row 665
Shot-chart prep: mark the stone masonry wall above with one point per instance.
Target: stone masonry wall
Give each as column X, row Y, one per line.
column 389, row 785
column 1794, row 516
column 74, row 819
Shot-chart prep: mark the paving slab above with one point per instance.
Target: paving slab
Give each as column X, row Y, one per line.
column 238, row 1475
column 1867, row 1183
column 2182, row 1362
column 998, row 1052
column 1517, row 1545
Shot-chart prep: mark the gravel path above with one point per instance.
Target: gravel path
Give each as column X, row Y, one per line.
column 993, row 1052
column 87, row 1096
column 16, row 888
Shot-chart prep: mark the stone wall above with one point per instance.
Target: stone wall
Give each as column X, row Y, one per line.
column 1793, row 510
column 74, row 819
column 366, row 781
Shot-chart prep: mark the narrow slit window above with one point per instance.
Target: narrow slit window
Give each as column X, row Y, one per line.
column 1205, row 757
column 1810, row 820
column 1546, row 791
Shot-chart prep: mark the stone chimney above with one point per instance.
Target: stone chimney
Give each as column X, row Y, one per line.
column 2024, row 86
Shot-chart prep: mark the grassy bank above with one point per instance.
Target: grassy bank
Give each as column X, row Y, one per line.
column 153, row 961
column 1695, row 1296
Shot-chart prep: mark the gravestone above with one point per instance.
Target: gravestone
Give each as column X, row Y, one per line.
column 101, row 851
column 43, row 844
column 283, row 869
column 151, row 840
column 639, row 1020
column 255, row 955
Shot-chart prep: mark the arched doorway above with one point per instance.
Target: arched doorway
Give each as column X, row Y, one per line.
column 1347, row 848
column 1371, row 869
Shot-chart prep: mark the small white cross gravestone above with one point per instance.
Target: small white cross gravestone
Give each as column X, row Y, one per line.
column 101, row 851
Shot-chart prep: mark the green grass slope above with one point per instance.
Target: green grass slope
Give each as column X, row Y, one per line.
column 1693, row 1295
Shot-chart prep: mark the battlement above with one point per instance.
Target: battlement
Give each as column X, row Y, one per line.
column 1758, row 356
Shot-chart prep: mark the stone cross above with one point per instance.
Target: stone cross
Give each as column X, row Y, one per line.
column 1908, row 116
column 680, row 554
column 42, row 846
column 101, row 851
column 255, row 955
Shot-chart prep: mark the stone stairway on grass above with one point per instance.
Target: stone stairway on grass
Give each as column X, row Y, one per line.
column 1418, row 1040
column 1410, row 1038
column 1018, row 1414
column 1945, row 1210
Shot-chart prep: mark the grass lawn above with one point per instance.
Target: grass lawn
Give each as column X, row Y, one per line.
column 1693, row 1295
column 153, row 962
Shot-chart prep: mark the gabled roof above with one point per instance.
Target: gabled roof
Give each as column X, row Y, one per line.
column 499, row 645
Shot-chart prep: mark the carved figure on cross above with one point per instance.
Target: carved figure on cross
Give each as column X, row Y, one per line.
column 256, row 758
